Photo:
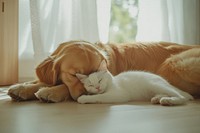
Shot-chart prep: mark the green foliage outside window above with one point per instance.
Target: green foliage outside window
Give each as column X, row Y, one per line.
column 123, row 24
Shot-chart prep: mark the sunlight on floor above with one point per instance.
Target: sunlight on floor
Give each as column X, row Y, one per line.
column 3, row 92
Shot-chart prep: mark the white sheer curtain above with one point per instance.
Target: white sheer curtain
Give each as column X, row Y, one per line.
column 44, row 24
column 169, row 20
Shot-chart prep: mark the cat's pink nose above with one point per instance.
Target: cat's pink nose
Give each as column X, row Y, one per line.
column 98, row 88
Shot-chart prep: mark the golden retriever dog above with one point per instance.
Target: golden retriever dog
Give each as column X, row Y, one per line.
column 179, row 64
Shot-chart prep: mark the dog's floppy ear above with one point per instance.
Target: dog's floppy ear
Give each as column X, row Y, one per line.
column 48, row 70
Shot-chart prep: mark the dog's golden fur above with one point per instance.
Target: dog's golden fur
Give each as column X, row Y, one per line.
column 179, row 64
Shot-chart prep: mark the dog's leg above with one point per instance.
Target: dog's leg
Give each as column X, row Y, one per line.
column 53, row 94
column 25, row 91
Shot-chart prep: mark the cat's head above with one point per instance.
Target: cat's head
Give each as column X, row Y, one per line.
column 96, row 82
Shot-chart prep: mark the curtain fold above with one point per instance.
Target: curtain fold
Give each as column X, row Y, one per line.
column 38, row 46
column 44, row 24
column 169, row 20
column 84, row 22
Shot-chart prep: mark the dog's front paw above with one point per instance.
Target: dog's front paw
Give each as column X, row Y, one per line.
column 51, row 95
column 21, row 92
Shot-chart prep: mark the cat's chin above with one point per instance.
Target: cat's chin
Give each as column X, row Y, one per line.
column 95, row 93
column 92, row 93
column 100, row 92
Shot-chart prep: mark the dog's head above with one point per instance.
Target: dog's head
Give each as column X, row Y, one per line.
column 67, row 60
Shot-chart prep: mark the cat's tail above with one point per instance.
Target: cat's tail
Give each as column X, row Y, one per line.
column 174, row 96
column 175, row 92
column 185, row 95
column 168, row 100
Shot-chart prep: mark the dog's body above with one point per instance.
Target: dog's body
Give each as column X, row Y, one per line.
column 179, row 64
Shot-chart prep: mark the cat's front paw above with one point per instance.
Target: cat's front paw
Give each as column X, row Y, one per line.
column 89, row 99
column 82, row 99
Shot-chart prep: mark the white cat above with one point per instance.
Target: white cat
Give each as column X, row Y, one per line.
column 103, row 87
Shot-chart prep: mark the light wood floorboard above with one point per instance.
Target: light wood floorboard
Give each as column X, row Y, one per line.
column 71, row 117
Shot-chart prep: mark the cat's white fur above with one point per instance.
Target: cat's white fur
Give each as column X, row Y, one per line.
column 103, row 87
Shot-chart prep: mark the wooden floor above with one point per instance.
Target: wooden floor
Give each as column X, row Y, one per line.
column 71, row 117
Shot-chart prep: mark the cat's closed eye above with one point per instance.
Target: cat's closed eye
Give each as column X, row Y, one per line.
column 100, row 80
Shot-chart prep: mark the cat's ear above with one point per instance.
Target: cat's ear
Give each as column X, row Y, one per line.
column 103, row 66
column 81, row 77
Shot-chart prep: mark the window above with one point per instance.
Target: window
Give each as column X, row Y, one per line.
column 123, row 23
